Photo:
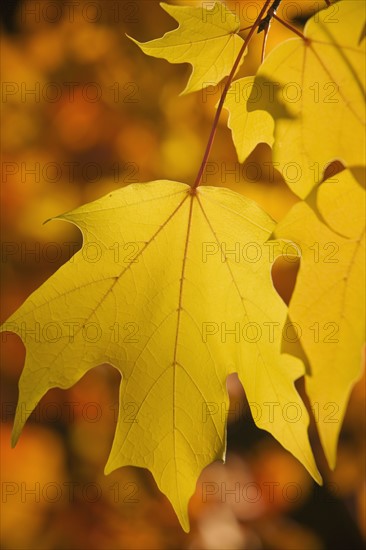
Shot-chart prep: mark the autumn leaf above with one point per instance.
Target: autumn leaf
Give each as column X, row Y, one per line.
column 328, row 304
column 173, row 288
column 248, row 127
column 314, row 88
column 206, row 38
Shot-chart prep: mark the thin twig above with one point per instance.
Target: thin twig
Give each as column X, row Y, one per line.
column 224, row 93
column 293, row 29
column 266, row 32
column 245, row 28
column 265, row 24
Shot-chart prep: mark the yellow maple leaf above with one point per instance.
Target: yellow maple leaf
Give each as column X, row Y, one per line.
column 173, row 288
column 315, row 91
column 328, row 304
column 206, row 38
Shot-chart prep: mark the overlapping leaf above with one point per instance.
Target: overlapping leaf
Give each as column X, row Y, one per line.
column 174, row 289
column 328, row 304
column 249, row 127
column 315, row 91
column 206, row 38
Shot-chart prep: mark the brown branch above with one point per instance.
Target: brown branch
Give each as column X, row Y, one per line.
column 265, row 24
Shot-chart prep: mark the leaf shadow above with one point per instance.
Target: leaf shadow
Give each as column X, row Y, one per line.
column 291, row 345
column 267, row 95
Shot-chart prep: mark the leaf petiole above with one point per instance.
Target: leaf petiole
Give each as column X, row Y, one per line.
column 224, row 94
column 245, row 28
column 291, row 28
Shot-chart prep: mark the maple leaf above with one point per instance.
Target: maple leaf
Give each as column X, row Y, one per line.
column 206, row 38
column 173, row 288
column 248, row 127
column 328, row 303
column 315, row 91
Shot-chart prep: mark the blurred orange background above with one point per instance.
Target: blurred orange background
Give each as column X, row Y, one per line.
column 85, row 112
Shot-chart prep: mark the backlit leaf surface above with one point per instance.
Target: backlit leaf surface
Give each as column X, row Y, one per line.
column 315, row 92
column 248, row 127
column 206, row 38
column 328, row 304
column 174, row 289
